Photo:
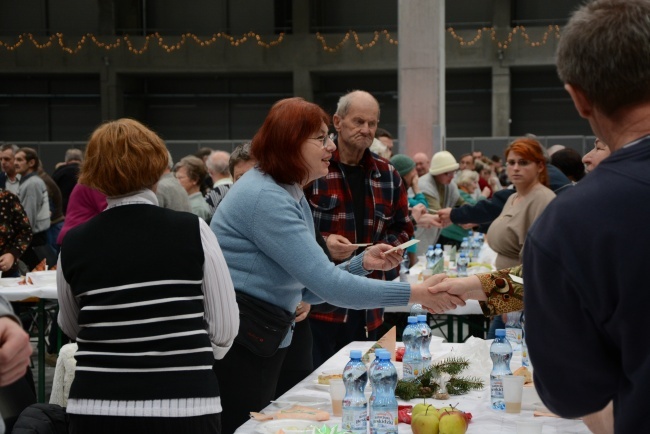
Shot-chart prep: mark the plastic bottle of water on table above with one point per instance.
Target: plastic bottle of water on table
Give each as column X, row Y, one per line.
column 355, row 407
column 412, row 359
column 438, row 253
column 426, row 341
column 461, row 265
column 429, row 257
column 464, row 247
column 383, row 407
column 404, row 268
column 501, row 354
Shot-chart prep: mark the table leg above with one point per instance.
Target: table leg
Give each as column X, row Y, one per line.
column 41, row 350
column 450, row 328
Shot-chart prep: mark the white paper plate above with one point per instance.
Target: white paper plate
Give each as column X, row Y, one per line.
column 316, row 385
column 289, row 426
column 306, row 400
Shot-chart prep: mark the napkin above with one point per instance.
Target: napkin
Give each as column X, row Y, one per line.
column 477, row 352
column 295, row 412
column 386, row 342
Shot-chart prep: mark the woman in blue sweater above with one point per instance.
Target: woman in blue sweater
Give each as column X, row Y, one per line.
column 266, row 231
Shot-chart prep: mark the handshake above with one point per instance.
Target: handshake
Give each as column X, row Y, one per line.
column 426, row 218
column 439, row 293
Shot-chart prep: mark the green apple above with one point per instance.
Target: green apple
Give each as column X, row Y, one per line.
column 421, row 408
column 452, row 422
column 425, row 422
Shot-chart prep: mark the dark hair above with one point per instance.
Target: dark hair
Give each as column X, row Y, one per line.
column 30, row 155
column 605, row 51
column 383, row 133
column 240, row 154
column 203, row 153
column 277, row 144
column 570, row 163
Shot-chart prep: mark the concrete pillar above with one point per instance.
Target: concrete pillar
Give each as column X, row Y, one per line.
column 500, row 101
column 109, row 92
column 501, row 74
column 302, row 84
column 421, row 76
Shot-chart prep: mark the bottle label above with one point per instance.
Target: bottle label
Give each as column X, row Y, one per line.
column 496, row 393
column 514, row 334
column 355, row 420
column 410, row 370
column 384, row 418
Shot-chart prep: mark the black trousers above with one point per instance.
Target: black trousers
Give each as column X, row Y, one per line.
column 246, row 383
column 298, row 361
column 84, row 424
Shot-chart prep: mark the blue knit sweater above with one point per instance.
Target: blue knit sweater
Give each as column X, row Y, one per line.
column 266, row 232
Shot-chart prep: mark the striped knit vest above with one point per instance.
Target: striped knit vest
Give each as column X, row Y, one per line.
column 136, row 271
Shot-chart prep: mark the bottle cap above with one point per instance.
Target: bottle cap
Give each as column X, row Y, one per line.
column 355, row 354
column 414, row 319
column 422, row 318
column 438, row 246
column 431, row 247
column 500, row 333
column 383, row 355
column 464, row 238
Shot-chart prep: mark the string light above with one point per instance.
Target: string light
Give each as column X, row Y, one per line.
column 162, row 41
column 126, row 40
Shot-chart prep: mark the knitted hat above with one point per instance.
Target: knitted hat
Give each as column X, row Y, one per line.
column 402, row 163
column 442, row 162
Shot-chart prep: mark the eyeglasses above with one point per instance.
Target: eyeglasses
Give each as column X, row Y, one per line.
column 521, row 163
column 323, row 139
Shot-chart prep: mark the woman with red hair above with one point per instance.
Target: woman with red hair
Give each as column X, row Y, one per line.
column 266, row 231
column 526, row 168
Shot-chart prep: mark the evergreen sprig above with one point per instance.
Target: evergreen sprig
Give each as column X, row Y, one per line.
column 425, row 385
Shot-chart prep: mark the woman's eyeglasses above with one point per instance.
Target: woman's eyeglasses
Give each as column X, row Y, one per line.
column 323, row 139
column 521, row 163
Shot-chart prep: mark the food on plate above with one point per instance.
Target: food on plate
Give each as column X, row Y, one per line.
column 295, row 412
column 41, row 266
column 524, row 372
column 325, row 378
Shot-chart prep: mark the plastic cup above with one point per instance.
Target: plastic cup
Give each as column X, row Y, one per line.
column 529, row 427
column 513, row 387
column 337, row 393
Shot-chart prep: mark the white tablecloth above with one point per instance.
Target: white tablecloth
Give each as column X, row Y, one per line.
column 21, row 292
column 484, row 421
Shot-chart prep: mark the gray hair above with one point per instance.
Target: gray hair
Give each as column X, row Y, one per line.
column 343, row 106
column 11, row 146
column 466, row 176
column 170, row 160
column 74, row 154
column 239, row 154
column 217, row 162
column 195, row 168
column 605, row 51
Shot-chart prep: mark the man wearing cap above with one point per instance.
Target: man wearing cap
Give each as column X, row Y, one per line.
column 440, row 192
column 361, row 200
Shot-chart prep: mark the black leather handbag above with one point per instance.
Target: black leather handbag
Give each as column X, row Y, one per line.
column 262, row 325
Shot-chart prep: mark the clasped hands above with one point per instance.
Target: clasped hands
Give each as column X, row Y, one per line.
column 444, row 293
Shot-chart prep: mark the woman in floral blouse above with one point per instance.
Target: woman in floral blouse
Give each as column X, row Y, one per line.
column 15, row 233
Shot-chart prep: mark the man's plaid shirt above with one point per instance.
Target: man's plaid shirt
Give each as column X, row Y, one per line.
column 386, row 218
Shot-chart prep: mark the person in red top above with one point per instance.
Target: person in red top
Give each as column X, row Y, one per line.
column 361, row 200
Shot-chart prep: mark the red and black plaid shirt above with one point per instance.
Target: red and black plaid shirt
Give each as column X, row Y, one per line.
column 386, row 218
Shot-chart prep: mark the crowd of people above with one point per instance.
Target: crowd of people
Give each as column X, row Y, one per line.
column 268, row 260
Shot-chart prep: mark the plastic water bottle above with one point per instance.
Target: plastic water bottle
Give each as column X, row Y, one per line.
column 430, row 259
column 477, row 246
column 461, row 265
column 500, row 353
column 383, row 407
column 404, row 268
column 371, row 369
column 426, row 341
column 525, row 358
column 464, row 247
column 514, row 332
column 438, row 254
column 355, row 408
column 417, row 309
column 412, row 359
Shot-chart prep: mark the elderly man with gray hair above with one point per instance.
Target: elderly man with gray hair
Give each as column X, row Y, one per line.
column 217, row 164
